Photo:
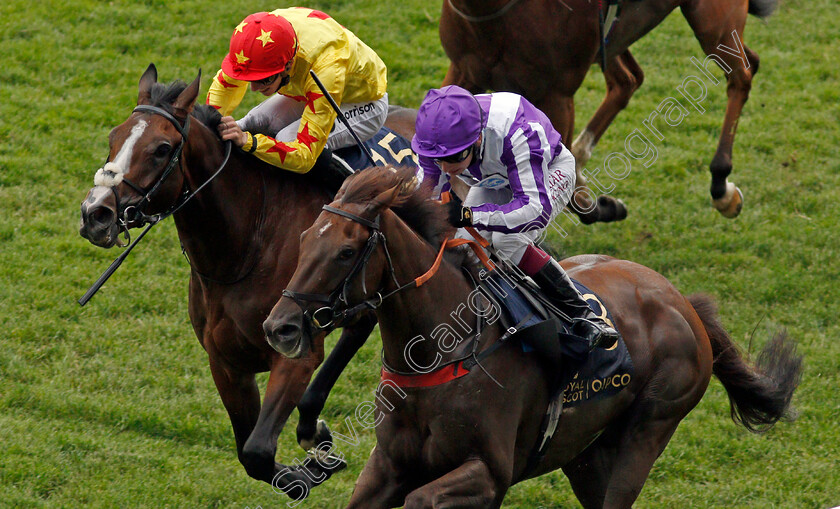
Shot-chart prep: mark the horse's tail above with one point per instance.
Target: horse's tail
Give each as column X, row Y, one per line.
column 759, row 395
column 762, row 8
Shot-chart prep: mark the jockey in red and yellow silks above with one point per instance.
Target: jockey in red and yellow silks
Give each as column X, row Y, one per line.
column 275, row 52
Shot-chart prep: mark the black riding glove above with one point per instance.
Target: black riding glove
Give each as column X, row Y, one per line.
column 458, row 214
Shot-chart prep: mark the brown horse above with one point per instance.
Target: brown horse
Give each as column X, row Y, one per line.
column 542, row 49
column 240, row 234
column 463, row 443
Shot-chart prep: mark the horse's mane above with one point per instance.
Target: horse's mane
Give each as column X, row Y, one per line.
column 208, row 116
column 411, row 203
column 163, row 95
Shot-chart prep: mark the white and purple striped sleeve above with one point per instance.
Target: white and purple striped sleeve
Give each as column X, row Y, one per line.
column 526, row 154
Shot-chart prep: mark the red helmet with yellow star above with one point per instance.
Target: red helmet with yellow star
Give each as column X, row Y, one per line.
column 261, row 46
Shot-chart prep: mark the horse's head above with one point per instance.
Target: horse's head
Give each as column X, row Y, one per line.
column 141, row 176
column 343, row 260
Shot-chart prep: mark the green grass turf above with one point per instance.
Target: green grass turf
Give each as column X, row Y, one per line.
column 112, row 405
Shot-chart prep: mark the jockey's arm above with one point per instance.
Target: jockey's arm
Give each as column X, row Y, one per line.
column 226, row 93
column 530, row 207
column 316, row 122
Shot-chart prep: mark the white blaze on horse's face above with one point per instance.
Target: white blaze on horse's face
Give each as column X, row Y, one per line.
column 112, row 174
column 324, row 228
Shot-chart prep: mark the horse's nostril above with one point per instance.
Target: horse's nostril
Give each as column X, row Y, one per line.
column 288, row 330
column 281, row 337
column 102, row 216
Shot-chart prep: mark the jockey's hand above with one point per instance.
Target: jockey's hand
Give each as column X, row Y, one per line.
column 458, row 214
column 229, row 130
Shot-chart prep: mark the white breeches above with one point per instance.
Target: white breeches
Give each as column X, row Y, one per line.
column 279, row 117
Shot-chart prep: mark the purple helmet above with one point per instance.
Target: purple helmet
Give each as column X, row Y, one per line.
column 449, row 121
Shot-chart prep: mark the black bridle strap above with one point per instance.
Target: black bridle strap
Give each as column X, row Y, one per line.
column 340, row 293
column 370, row 224
column 183, row 129
column 170, row 167
column 373, row 303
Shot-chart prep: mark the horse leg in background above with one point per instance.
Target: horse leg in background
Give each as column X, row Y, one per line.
column 241, row 398
column 723, row 44
column 310, row 431
column 454, row 76
column 560, row 109
column 623, row 77
column 286, row 383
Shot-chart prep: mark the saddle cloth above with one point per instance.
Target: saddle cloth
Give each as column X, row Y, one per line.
column 386, row 147
column 589, row 376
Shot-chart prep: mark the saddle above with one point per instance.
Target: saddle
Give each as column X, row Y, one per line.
column 531, row 319
column 538, row 325
column 385, row 147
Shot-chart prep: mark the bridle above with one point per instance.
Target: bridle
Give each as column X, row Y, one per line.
column 134, row 214
column 337, row 309
column 136, row 211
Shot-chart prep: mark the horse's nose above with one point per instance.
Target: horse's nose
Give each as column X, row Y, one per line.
column 284, row 335
column 99, row 218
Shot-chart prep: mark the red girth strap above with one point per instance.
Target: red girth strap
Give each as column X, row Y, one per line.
column 437, row 377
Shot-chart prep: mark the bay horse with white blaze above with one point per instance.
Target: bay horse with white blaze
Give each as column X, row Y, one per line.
column 542, row 49
column 240, row 234
column 464, row 442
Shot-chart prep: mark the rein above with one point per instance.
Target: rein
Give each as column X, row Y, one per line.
column 480, row 19
column 332, row 315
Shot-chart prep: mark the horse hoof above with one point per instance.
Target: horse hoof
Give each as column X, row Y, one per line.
column 620, row 210
column 322, row 434
column 611, row 209
column 325, row 461
column 731, row 203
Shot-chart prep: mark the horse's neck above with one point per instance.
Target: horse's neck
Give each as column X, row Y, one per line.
column 416, row 323
column 478, row 8
column 224, row 224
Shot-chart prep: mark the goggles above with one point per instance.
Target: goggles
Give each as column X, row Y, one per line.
column 456, row 157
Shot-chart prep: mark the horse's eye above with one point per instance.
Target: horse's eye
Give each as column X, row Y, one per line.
column 163, row 150
column 346, row 254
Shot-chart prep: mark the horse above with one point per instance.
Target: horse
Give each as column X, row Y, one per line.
column 545, row 52
column 240, row 235
column 463, row 441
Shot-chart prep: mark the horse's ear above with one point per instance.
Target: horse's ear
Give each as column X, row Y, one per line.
column 183, row 105
column 382, row 201
column 148, row 79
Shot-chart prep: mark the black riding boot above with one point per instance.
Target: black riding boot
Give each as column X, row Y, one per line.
column 329, row 170
column 553, row 280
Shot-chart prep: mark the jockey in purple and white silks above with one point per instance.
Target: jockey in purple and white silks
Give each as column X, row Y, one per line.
column 519, row 176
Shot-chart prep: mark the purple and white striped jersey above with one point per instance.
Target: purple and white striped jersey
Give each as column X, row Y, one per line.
column 518, row 143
